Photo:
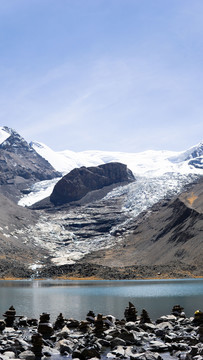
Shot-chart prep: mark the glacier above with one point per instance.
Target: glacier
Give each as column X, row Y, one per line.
column 158, row 175
column 150, row 163
column 53, row 231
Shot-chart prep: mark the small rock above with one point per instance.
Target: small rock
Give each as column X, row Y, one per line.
column 89, row 353
column 117, row 342
column 158, row 346
column 66, row 346
column 119, row 351
column 27, row 355
column 72, row 323
column 166, row 318
column 131, row 325
column 64, row 333
column 10, row 354
column 165, row 325
column 104, row 342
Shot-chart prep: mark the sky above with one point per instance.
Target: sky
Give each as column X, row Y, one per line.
column 116, row 75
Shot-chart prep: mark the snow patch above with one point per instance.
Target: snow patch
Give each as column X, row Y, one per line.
column 38, row 191
column 35, row 266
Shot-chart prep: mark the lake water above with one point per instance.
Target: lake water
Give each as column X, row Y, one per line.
column 75, row 298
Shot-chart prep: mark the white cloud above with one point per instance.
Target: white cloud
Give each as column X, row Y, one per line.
column 100, row 99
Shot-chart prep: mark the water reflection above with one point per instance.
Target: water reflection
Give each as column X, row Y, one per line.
column 76, row 298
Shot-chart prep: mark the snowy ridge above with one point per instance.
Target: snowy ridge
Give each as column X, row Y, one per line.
column 151, row 164
column 148, row 163
column 193, row 152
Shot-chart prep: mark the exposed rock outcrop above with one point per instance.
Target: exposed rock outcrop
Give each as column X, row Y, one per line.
column 20, row 165
column 76, row 184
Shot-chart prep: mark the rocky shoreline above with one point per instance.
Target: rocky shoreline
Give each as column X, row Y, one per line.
column 83, row 270
column 103, row 337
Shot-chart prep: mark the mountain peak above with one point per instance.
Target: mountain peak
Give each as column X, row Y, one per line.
column 194, row 156
column 20, row 164
column 12, row 141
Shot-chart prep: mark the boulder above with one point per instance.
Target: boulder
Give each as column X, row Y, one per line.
column 10, row 354
column 76, row 184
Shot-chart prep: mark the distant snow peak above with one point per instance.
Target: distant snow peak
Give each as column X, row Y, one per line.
column 10, row 138
column 148, row 163
column 191, row 153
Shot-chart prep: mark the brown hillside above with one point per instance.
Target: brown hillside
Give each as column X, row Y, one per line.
column 169, row 232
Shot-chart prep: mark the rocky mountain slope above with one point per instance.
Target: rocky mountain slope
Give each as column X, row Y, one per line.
column 164, row 241
column 106, row 229
column 20, row 165
column 150, row 226
column 17, row 251
column 170, row 232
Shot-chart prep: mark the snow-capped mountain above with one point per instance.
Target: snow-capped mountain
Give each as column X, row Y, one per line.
column 67, row 233
column 148, row 163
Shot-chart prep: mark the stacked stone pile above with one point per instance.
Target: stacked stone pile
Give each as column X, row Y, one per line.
column 104, row 337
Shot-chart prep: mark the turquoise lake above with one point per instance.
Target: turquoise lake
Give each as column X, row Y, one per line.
column 75, row 298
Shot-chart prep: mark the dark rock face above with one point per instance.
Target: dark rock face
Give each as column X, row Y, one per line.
column 21, row 165
column 79, row 182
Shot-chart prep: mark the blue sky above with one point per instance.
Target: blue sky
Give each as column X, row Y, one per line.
column 120, row 75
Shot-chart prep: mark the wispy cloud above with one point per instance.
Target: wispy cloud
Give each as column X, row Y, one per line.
column 105, row 97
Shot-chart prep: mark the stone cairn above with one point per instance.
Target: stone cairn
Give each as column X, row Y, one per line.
column 37, row 344
column 45, row 327
column 130, row 313
column 10, row 315
column 90, row 316
column 144, row 317
column 59, row 323
column 99, row 324
column 178, row 311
